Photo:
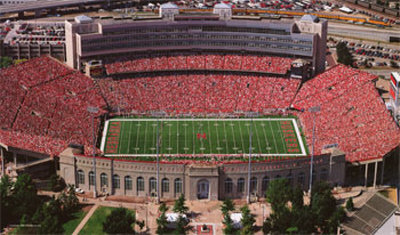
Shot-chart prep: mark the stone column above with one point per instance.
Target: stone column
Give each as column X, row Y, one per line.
column 366, row 175
column 375, row 172
column 15, row 158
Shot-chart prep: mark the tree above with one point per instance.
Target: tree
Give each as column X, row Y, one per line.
column 181, row 225
column 344, row 55
column 247, row 221
column 227, row 206
column 70, row 201
column 179, row 206
column 24, row 197
column 56, row 183
column 6, row 201
column 229, row 229
column 119, row 221
column 350, row 204
column 5, row 61
column 162, row 219
column 291, row 215
column 49, row 216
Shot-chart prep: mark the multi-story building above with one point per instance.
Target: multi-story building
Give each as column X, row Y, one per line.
column 87, row 39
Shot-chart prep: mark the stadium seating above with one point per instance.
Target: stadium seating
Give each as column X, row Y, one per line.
column 213, row 61
column 352, row 114
column 43, row 104
column 199, row 93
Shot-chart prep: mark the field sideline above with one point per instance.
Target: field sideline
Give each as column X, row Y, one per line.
column 202, row 137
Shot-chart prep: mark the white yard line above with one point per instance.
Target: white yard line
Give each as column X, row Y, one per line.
column 283, row 140
column 203, row 119
column 273, row 136
column 241, row 137
column 120, row 138
column 233, row 136
column 266, row 139
column 194, row 141
column 103, row 138
column 137, row 138
column 177, row 138
column 226, row 139
column 209, row 131
column 258, row 139
column 145, row 134
column 303, row 150
column 129, row 140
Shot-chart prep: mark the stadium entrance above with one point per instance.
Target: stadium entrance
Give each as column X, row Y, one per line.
column 203, row 189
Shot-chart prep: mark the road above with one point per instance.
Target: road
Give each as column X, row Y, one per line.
column 358, row 31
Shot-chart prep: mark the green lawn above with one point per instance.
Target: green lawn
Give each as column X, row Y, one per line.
column 138, row 137
column 70, row 225
column 95, row 223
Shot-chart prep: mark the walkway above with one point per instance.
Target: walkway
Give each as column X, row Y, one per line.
column 85, row 220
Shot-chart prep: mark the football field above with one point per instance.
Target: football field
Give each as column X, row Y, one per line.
column 202, row 137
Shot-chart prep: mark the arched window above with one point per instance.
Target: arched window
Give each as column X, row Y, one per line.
column 116, row 183
column 128, row 183
column 265, row 183
column 103, row 180
column 140, row 184
column 240, row 185
column 178, row 186
column 165, row 185
column 91, row 178
column 228, row 185
column 324, row 174
column 152, row 185
column 300, row 179
column 253, row 184
column 81, row 177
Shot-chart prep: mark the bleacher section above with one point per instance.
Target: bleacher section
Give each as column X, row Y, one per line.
column 277, row 65
column 43, row 104
column 46, row 103
column 353, row 115
column 199, row 93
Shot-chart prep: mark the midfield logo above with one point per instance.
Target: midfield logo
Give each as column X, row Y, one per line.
column 201, row 136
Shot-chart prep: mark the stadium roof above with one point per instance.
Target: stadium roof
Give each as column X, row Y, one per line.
column 222, row 6
column 169, row 5
column 311, row 18
column 371, row 216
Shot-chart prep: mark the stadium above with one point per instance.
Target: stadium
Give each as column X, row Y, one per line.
column 202, row 104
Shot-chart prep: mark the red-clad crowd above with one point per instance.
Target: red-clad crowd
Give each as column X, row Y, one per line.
column 352, row 115
column 43, row 104
column 267, row 64
column 50, row 103
column 199, row 93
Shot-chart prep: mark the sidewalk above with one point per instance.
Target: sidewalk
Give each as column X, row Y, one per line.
column 85, row 220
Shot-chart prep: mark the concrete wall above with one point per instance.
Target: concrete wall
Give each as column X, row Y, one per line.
column 191, row 175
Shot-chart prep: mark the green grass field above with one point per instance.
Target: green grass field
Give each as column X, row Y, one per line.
column 138, row 137
column 95, row 224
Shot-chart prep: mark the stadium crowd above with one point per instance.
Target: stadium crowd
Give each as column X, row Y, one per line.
column 43, row 104
column 199, row 93
column 352, row 115
column 46, row 102
column 267, row 64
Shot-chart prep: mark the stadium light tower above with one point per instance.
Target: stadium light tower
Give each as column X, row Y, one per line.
column 158, row 162
column 249, row 167
column 314, row 109
column 93, row 111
